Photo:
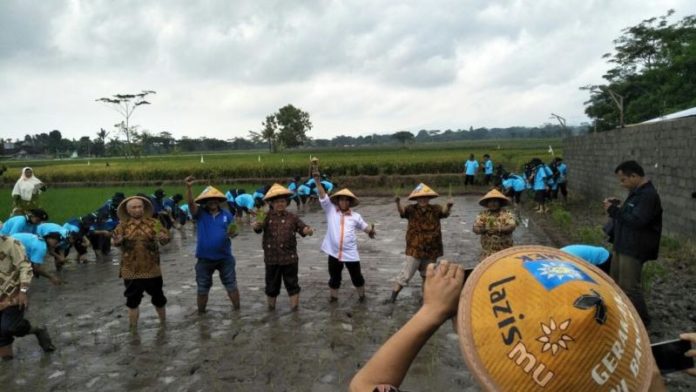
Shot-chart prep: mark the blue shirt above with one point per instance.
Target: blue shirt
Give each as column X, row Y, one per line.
column 328, row 187
column 157, row 205
column 44, row 229
column 592, row 254
column 540, row 177
column 185, row 209
column 303, row 190
column 34, row 245
column 471, row 167
column 213, row 241
column 488, row 167
column 562, row 173
column 71, row 228
column 517, row 184
column 17, row 224
column 230, row 196
column 244, row 200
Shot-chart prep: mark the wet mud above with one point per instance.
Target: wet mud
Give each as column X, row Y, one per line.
column 318, row 348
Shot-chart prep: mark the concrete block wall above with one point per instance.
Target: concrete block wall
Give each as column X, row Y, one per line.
column 667, row 152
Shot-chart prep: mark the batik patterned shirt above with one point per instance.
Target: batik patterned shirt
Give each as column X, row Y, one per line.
column 279, row 239
column 140, row 257
column 423, row 235
column 15, row 268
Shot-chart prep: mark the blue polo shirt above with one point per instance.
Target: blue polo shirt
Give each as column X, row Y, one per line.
column 328, row 186
column 488, row 167
column 244, row 200
column 592, row 254
column 517, row 184
column 17, row 224
column 46, row 228
column 303, row 190
column 471, row 167
column 34, row 245
column 213, row 241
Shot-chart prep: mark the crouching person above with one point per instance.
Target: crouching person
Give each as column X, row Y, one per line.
column 280, row 246
column 139, row 237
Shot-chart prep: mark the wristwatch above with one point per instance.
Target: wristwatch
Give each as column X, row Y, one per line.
column 24, row 290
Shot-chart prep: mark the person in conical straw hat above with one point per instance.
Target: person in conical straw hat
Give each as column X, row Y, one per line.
column 423, row 235
column 215, row 227
column 340, row 242
column 279, row 230
column 495, row 224
column 529, row 318
column 139, row 236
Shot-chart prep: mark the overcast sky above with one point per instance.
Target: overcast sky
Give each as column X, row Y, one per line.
column 357, row 67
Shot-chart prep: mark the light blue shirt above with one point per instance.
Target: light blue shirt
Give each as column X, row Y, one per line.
column 595, row 255
column 303, row 190
column 563, row 173
column 70, row 228
column 44, row 229
column 17, row 224
column 229, row 196
column 517, row 184
column 185, row 209
column 540, row 177
column 488, row 167
column 245, row 200
column 471, row 167
column 34, row 245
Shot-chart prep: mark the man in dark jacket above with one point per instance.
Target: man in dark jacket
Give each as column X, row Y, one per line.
column 637, row 230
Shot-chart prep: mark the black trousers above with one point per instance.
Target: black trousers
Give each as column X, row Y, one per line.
column 12, row 325
column 136, row 287
column 469, row 180
column 100, row 243
column 336, row 272
column 286, row 273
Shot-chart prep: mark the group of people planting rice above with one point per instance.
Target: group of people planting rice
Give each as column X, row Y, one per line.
column 141, row 224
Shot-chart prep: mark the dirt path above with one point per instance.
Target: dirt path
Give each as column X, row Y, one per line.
column 318, row 348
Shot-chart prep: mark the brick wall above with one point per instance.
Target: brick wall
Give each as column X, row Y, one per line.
column 667, row 152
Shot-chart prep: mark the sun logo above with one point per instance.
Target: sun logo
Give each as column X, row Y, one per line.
column 559, row 271
column 551, row 339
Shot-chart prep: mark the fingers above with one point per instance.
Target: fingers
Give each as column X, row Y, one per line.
column 691, row 372
column 691, row 336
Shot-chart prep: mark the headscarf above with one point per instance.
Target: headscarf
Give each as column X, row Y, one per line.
column 26, row 187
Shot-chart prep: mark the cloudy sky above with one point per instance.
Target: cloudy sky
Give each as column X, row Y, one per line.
column 220, row 66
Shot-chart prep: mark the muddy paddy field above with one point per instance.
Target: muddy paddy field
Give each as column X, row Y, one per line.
column 318, row 348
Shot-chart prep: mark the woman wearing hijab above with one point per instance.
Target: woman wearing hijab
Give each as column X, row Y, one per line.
column 25, row 194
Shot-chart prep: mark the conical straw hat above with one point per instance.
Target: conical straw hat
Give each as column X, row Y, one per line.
column 422, row 190
column 123, row 214
column 276, row 191
column 345, row 192
column 210, row 192
column 536, row 318
column 494, row 194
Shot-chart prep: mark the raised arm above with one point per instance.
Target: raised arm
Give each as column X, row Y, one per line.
column 390, row 363
column 193, row 208
column 317, row 180
column 399, row 207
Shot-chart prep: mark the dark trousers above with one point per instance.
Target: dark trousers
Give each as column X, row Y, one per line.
column 469, row 180
column 626, row 272
column 488, row 179
column 287, row 273
column 136, row 287
column 336, row 272
column 12, row 325
column 100, row 243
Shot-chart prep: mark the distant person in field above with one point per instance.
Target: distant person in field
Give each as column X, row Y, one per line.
column 423, row 235
column 341, row 242
column 36, row 248
column 637, row 229
column 78, row 229
column 140, row 236
column 539, row 179
column 487, row 168
column 561, row 178
column 25, row 194
column 215, row 227
column 245, row 205
column 513, row 186
column 279, row 229
column 470, row 169
column 293, row 187
column 495, row 224
column 100, row 233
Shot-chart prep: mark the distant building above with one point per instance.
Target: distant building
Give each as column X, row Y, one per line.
column 683, row 113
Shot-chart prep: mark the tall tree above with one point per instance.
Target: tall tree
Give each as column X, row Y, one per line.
column 403, row 137
column 125, row 105
column 653, row 74
column 293, row 125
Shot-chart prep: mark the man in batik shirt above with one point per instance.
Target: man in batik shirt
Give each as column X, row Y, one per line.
column 495, row 224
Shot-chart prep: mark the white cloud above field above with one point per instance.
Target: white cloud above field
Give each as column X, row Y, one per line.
column 357, row 67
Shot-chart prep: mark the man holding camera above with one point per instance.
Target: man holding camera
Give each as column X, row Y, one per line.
column 637, row 231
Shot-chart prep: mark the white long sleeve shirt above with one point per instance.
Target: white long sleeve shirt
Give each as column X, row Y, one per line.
column 341, row 239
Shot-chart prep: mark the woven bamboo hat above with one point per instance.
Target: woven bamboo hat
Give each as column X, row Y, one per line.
column 423, row 190
column 210, row 192
column 533, row 317
column 494, row 194
column 345, row 192
column 123, row 213
column 277, row 191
